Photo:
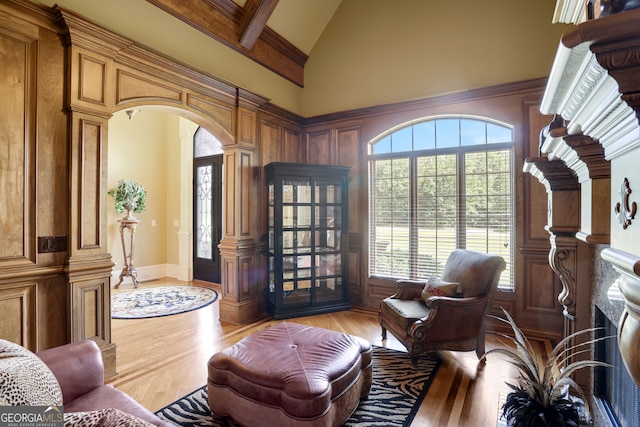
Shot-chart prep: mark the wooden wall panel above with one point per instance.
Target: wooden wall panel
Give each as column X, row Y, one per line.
column 291, row 144
column 269, row 141
column 52, row 311
column 221, row 114
column 319, row 147
column 92, row 87
column 88, row 301
column 230, row 180
column 248, row 206
column 246, row 127
column 348, row 150
column 18, row 308
column 92, row 152
column 17, row 164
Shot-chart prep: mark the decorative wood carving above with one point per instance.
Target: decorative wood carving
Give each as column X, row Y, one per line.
column 625, row 212
column 563, row 191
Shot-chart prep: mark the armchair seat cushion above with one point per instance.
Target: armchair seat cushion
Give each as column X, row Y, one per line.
column 403, row 313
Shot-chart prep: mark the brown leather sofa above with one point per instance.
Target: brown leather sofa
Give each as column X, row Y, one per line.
column 79, row 369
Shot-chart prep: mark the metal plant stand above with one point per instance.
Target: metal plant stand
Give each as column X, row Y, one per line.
column 128, row 270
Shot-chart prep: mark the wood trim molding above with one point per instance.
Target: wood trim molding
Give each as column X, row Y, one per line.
column 222, row 20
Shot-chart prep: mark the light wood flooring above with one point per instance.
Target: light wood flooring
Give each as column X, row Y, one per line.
column 162, row 359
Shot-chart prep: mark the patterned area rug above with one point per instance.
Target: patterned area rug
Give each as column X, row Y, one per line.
column 160, row 301
column 396, row 394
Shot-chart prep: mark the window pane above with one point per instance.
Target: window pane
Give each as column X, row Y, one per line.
column 402, row 140
column 497, row 133
column 472, row 132
column 424, row 135
column 389, row 223
column 383, row 146
column 447, row 133
column 205, row 144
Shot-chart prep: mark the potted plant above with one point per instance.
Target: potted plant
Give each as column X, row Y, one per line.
column 542, row 395
column 129, row 197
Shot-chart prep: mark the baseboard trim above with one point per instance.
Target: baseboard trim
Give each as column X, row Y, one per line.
column 147, row 273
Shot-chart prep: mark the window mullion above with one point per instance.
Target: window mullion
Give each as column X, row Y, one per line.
column 461, row 228
column 413, row 217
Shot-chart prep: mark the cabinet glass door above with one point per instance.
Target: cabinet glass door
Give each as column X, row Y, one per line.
column 328, row 225
column 307, row 246
column 297, row 259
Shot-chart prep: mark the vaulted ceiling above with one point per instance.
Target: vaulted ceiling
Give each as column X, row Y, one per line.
column 278, row 34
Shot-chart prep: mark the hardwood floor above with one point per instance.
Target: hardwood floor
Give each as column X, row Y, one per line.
column 160, row 360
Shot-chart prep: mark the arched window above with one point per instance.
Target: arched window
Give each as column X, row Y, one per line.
column 436, row 185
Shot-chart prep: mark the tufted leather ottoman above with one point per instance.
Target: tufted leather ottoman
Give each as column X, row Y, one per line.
column 290, row 375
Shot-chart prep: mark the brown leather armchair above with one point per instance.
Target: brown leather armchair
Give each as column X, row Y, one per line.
column 424, row 322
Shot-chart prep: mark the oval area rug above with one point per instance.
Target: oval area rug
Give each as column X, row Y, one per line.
column 160, row 301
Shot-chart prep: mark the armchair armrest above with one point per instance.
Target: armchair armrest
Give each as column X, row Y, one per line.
column 408, row 289
column 77, row 366
column 451, row 318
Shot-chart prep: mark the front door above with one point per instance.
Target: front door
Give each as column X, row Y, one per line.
column 207, row 217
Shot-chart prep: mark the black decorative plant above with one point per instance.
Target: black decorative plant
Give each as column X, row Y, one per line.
column 542, row 395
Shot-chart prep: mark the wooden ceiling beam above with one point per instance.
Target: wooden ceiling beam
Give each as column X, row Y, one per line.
column 221, row 20
column 254, row 20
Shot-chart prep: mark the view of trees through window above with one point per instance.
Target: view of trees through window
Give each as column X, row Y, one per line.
column 454, row 191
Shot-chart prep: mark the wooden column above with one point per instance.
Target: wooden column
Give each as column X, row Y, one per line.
column 243, row 297
column 89, row 264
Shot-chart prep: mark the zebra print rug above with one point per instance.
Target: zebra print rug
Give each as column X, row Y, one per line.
column 396, row 394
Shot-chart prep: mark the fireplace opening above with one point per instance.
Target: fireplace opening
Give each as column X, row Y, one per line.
column 615, row 391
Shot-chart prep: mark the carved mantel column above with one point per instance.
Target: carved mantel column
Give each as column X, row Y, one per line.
column 563, row 192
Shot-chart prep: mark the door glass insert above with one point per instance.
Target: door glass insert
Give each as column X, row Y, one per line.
column 203, row 212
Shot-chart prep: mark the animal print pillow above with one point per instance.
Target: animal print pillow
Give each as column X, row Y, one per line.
column 103, row 418
column 25, row 380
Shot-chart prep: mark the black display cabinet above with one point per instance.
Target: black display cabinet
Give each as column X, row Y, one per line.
column 308, row 239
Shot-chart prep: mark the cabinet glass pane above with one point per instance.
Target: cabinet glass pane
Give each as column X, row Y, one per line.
column 333, row 239
column 304, row 193
column 287, row 216
column 328, row 289
column 304, row 216
column 287, row 241
column 328, row 216
column 329, row 265
column 287, row 192
column 327, row 192
column 304, row 241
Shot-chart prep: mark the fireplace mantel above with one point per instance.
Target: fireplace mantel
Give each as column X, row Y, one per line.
column 594, row 94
